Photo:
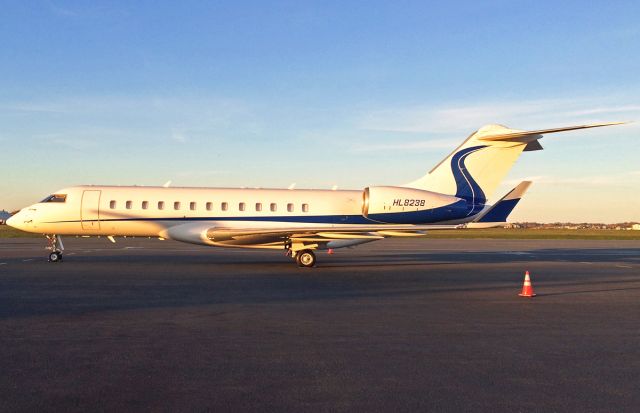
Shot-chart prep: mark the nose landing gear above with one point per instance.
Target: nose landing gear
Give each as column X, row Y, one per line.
column 56, row 246
column 55, row 256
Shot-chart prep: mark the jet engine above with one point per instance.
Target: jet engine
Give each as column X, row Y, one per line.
column 399, row 205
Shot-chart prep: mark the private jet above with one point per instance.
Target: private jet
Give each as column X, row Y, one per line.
column 452, row 195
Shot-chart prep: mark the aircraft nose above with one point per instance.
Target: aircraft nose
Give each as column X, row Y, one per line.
column 12, row 221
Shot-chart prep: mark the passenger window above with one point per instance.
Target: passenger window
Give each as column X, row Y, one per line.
column 290, row 207
column 241, row 206
column 128, row 204
column 192, row 206
column 112, row 204
column 145, row 204
column 274, row 207
column 209, row 206
column 258, row 207
column 305, row 207
column 161, row 205
column 224, row 206
column 176, row 205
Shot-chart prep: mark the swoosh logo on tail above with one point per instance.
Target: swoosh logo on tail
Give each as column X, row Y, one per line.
column 466, row 187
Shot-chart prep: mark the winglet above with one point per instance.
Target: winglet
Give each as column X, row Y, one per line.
column 505, row 134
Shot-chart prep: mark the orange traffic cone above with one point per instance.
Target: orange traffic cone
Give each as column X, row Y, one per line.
column 527, row 288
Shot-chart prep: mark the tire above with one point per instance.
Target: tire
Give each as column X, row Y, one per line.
column 306, row 258
column 55, row 256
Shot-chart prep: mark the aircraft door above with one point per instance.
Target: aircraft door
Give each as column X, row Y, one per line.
column 90, row 210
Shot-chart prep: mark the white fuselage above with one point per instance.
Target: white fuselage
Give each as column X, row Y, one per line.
column 151, row 211
column 252, row 218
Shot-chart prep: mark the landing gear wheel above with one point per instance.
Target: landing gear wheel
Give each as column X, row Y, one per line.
column 55, row 256
column 306, row 258
column 56, row 247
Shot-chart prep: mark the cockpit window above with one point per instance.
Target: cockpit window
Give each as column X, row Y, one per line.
column 55, row 198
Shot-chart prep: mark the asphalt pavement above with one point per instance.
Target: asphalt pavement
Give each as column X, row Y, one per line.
column 395, row 325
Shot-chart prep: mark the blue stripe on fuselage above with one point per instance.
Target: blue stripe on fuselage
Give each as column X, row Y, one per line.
column 453, row 211
column 457, row 210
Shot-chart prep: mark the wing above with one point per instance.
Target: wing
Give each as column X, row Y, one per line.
column 365, row 233
column 208, row 233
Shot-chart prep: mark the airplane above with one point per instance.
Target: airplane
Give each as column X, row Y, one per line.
column 452, row 195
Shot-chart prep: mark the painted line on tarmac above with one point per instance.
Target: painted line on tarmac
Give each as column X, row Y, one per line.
column 27, row 260
column 3, row 263
column 585, row 262
column 624, row 266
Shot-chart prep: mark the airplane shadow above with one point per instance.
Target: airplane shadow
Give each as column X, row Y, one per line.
column 353, row 259
column 132, row 281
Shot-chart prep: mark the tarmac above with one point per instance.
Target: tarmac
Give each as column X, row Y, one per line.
column 395, row 325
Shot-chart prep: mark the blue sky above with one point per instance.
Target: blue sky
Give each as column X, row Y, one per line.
column 263, row 94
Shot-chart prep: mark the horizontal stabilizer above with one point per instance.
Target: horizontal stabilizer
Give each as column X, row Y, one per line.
column 505, row 134
column 501, row 210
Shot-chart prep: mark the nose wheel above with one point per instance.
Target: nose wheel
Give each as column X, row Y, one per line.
column 56, row 246
column 55, row 256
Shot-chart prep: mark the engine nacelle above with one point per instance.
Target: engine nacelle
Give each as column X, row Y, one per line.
column 399, row 205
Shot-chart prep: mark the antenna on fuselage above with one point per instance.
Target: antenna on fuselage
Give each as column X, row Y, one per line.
column 167, row 184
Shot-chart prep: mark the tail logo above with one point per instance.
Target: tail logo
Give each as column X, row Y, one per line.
column 466, row 187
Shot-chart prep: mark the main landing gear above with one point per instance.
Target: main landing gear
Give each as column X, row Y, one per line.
column 56, row 246
column 303, row 257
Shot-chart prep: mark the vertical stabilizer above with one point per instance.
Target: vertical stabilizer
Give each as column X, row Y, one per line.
column 475, row 169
